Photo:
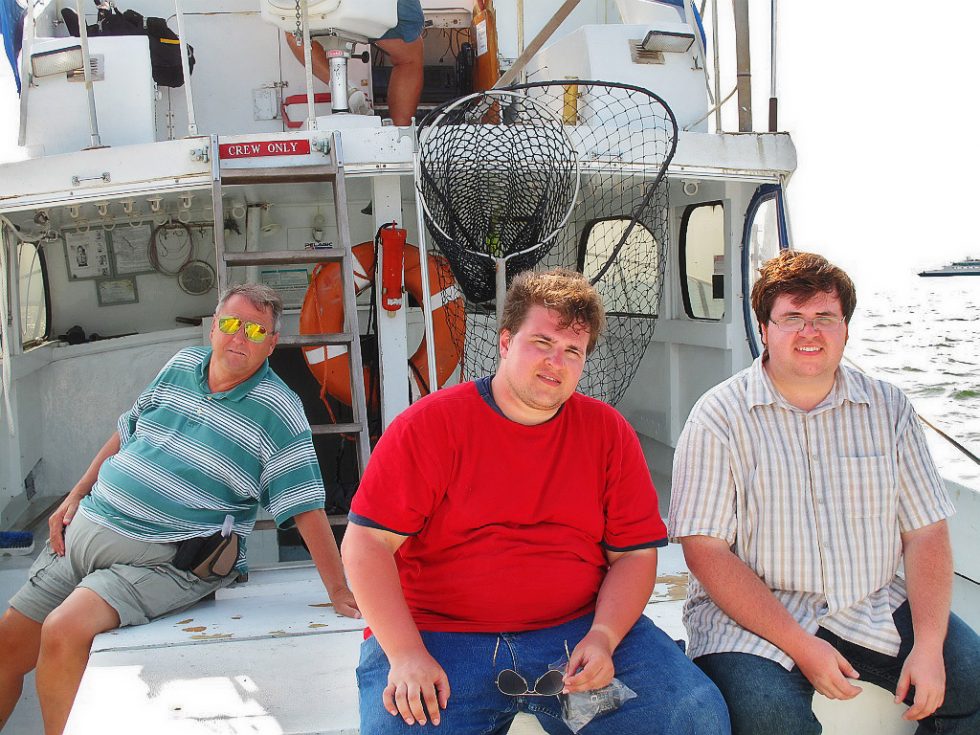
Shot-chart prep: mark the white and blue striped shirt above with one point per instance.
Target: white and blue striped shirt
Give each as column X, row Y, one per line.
column 189, row 457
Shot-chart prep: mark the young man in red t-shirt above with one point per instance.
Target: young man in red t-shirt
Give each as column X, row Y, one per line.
column 501, row 523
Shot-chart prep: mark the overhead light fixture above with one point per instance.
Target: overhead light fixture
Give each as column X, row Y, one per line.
column 62, row 61
column 668, row 42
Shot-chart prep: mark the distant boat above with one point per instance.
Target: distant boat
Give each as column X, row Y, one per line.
column 968, row 267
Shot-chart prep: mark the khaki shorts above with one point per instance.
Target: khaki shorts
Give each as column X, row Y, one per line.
column 134, row 577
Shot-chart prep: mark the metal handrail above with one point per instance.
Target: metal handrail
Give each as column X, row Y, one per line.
column 93, row 117
column 308, row 68
column 186, row 70
column 5, row 371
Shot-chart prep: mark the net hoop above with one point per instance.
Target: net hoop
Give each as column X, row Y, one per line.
column 439, row 114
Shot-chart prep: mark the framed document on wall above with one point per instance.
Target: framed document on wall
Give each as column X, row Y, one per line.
column 86, row 254
column 131, row 250
column 112, row 291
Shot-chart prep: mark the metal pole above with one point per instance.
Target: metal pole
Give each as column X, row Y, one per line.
column 520, row 32
column 717, row 63
column 25, row 78
column 185, row 67
column 218, row 216
column 6, row 346
column 430, row 342
column 308, row 63
column 743, row 66
column 773, row 104
column 501, row 271
column 338, row 79
column 93, row 118
column 690, row 15
column 536, row 43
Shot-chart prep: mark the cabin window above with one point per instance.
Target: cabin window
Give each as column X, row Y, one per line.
column 764, row 235
column 619, row 286
column 702, row 260
column 34, row 298
column 763, row 238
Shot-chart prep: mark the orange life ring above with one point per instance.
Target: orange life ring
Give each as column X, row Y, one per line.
column 323, row 313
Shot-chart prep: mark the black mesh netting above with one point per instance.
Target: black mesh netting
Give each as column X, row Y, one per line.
column 498, row 175
column 616, row 234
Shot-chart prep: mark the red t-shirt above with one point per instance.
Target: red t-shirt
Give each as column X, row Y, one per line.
column 506, row 523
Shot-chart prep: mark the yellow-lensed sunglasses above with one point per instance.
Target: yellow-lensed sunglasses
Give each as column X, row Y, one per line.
column 253, row 332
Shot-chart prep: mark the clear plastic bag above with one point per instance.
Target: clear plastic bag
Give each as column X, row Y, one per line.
column 578, row 709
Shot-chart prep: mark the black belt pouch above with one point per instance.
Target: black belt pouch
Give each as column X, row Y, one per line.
column 207, row 556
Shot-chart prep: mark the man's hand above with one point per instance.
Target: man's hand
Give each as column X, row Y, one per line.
column 61, row 518
column 344, row 603
column 926, row 671
column 416, row 679
column 826, row 669
column 591, row 665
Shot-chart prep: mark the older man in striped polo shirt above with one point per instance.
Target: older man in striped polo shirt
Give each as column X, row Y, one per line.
column 215, row 435
column 799, row 487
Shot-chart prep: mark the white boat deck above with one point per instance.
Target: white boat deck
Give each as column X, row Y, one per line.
column 271, row 657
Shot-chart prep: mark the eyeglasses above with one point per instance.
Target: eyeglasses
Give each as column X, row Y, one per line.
column 549, row 684
column 798, row 323
column 253, row 332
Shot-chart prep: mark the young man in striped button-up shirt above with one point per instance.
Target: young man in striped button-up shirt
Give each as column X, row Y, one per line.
column 215, row 435
column 799, row 487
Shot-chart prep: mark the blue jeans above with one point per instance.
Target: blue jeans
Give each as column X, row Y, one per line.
column 673, row 696
column 766, row 699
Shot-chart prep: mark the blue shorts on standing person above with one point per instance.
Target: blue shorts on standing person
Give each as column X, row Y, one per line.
column 669, row 688
column 411, row 22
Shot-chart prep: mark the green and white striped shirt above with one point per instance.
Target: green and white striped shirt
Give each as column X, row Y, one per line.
column 814, row 502
column 189, row 457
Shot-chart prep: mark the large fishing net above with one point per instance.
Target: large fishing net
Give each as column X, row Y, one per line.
column 498, row 176
column 497, row 180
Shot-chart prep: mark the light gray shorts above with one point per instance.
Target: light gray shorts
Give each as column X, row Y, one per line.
column 135, row 578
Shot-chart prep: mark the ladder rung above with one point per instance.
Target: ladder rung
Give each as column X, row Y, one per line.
column 283, row 257
column 319, row 429
column 314, row 340
column 276, row 175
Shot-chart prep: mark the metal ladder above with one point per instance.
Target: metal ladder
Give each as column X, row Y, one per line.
column 331, row 172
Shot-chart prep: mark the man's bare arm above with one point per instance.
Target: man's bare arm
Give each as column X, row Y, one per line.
column 415, row 679
column 929, row 579
column 624, row 593
column 746, row 599
column 321, row 66
column 69, row 506
column 314, row 527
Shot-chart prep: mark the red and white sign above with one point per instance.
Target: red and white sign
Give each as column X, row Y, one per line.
column 261, row 148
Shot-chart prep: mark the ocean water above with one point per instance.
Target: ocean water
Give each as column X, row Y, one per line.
column 923, row 334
